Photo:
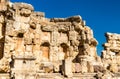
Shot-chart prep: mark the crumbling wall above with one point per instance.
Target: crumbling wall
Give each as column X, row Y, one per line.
column 29, row 34
column 111, row 52
column 32, row 44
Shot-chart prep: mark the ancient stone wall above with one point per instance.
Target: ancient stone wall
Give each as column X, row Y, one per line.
column 111, row 52
column 32, row 45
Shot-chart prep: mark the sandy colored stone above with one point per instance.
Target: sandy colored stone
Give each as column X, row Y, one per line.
column 110, row 54
column 33, row 46
column 113, row 68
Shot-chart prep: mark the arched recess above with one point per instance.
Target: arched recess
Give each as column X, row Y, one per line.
column 64, row 49
column 20, row 47
column 45, row 48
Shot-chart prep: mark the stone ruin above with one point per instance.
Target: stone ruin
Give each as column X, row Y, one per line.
column 111, row 52
column 35, row 47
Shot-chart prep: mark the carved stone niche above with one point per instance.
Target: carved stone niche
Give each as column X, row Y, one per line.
column 63, row 51
column 19, row 44
column 45, row 50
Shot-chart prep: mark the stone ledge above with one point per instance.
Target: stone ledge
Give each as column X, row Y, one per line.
column 24, row 58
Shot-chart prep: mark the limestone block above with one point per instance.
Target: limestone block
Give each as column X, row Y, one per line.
column 37, row 15
column 90, row 67
column 38, row 18
column 72, row 35
column 28, row 48
column 20, row 48
column 36, row 41
column 38, row 55
column 113, row 68
column 24, row 26
column 88, row 32
column 107, row 75
column 16, row 25
column 47, row 67
column 22, row 5
column 4, row 65
column 78, row 26
column 67, row 64
column 58, row 77
column 68, row 24
column 1, row 18
column 47, row 28
column 27, row 41
column 71, row 52
column 98, row 68
column 38, row 29
column 62, row 38
column 83, row 36
column 84, row 68
column 77, row 67
column 57, row 66
column 45, row 36
column 20, row 27
column 53, row 53
column 19, row 18
column 7, row 48
column 37, row 35
column 54, row 35
column 63, row 28
column 99, row 75
column 36, row 47
column 61, row 56
column 57, row 20
column 25, row 12
column 28, row 38
column 3, row 6
column 10, row 29
column 76, row 18
column 92, row 51
column 98, row 58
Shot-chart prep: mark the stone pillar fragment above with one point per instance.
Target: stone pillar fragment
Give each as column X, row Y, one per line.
column 67, row 67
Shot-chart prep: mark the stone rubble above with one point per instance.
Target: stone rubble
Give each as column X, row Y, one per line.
column 33, row 46
column 111, row 52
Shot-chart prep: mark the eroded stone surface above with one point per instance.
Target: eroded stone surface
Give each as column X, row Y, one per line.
column 32, row 46
column 111, row 52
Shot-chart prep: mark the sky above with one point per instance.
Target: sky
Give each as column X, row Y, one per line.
column 100, row 15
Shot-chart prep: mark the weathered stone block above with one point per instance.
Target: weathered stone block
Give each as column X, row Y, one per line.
column 22, row 5
column 84, row 67
column 47, row 28
column 19, row 18
column 77, row 67
column 1, row 18
column 3, row 6
column 32, row 45
column 67, row 66
column 113, row 68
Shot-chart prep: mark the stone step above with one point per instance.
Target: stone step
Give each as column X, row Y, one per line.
column 4, row 76
column 84, row 75
column 58, row 75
